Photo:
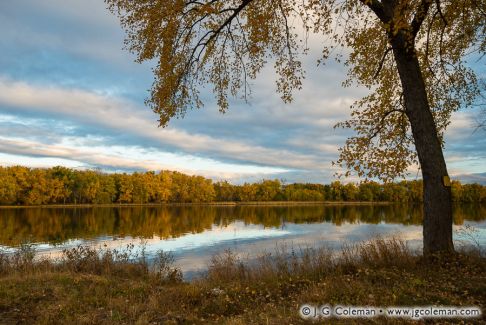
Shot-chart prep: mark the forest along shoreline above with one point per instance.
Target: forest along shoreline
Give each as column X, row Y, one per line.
column 169, row 204
column 60, row 186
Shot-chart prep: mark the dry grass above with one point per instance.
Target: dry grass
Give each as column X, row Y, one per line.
column 89, row 286
column 311, row 263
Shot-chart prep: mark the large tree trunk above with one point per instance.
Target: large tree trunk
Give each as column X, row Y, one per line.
column 437, row 224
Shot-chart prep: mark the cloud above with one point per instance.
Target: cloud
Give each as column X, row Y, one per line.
column 121, row 116
column 472, row 178
column 61, row 111
column 70, row 41
column 83, row 28
column 69, row 89
column 76, row 153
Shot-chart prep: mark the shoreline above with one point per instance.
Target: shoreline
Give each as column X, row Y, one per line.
column 111, row 290
column 215, row 204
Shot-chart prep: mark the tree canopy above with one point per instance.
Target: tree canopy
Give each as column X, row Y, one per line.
column 410, row 54
column 227, row 43
column 59, row 185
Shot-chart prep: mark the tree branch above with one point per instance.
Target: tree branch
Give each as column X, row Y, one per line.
column 420, row 15
column 235, row 13
column 287, row 31
column 380, row 65
column 437, row 2
column 381, row 125
column 213, row 34
column 377, row 7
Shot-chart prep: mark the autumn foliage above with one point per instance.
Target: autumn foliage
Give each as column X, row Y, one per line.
column 60, row 185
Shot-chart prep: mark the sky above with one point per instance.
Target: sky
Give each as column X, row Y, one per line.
column 71, row 96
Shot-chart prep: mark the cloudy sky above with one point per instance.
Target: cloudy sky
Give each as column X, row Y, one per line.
column 69, row 95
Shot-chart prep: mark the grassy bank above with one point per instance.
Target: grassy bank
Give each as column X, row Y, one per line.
column 116, row 287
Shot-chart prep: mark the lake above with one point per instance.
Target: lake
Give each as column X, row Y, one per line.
column 195, row 233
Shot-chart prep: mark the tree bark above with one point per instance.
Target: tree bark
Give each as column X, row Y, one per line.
column 437, row 223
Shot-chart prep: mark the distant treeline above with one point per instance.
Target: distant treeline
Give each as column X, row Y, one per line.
column 59, row 185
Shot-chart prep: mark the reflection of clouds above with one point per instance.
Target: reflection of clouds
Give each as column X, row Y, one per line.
column 300, row 237
column 470, row 234
column 201, row 232
column 234, row 232
column 194, row 251
column 215, row 237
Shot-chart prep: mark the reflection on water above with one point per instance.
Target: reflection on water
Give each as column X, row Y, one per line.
column 194, row 233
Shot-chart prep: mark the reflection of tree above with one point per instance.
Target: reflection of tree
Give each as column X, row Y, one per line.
column 60, row 224
column 473, row 212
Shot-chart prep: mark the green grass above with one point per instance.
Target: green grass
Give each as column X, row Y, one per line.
column 118, row 287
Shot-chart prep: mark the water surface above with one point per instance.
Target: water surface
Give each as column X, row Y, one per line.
column 195, row 233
